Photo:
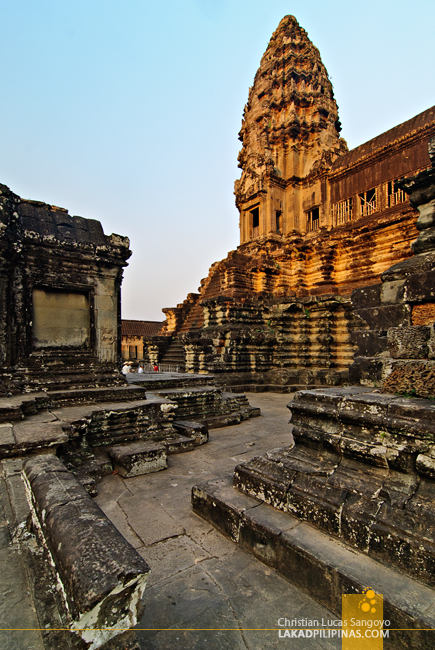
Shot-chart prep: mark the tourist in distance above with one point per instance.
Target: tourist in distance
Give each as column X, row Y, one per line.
column 140, row 370
column 155, row 367
column 126, row 368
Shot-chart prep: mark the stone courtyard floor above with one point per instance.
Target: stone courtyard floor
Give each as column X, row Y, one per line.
column 203, row 592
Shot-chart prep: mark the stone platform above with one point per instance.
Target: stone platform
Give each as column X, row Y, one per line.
column 350, row 505
column 82, row 426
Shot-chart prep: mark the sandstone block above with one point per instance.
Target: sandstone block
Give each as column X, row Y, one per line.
column 138, row 458
column 102, row 576
column 409, row 342
column 383, row 317
column 265, row 479
column 420, row 287
column 218, row 501
column 366, row 297
column 423, row 314
column 411, row 378
column 425, row 465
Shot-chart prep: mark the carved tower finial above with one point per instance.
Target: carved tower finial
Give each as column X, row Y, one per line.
column 290, row 127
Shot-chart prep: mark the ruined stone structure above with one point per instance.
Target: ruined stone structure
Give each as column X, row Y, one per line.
column 60, row 279
column 316, row 222
column 350, row 503
column 68, row 417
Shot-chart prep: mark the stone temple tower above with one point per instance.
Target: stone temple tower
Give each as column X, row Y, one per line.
column 290, row 136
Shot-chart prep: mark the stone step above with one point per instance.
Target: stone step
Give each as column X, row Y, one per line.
column 95, row 395
column 157, row 380
column 209, row 405
column 145, row 457
column 386, row 514
column 228, row 419
column 107, row 439
column 10, row 412
column 385, row 430
column 107, row 423
column 179, row 444
column 175, row 354
column 315, row 562
column 194, row 430
column 138, row 458
column 267, row 388
column 20, row 406
column 78, row 378
column 17, row 439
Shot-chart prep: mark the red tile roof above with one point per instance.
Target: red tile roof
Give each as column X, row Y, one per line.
column 140, row 327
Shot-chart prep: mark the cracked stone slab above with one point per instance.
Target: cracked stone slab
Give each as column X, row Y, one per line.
column 151, row 524
column 172, row 556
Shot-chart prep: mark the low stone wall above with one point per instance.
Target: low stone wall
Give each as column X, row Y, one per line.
column 100, row 576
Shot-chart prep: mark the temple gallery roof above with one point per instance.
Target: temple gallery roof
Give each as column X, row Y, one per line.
column 400, row 131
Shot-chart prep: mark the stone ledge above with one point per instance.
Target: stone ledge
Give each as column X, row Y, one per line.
column 102, row 578
column 319, row 565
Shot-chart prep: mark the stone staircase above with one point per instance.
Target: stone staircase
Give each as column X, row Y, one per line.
column 175, row 355
column 349, row 506
column 124, row 428
column 209, row 405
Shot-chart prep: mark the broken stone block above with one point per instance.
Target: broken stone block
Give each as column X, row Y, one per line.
column 425, row 465
column 265, row 479
column 138, row 458
column 197, row 431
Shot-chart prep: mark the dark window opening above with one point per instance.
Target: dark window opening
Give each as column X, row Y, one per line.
column 132, row 349
column 278, row 221
column 255, row 221
column 394, row 194
column 313, row 219
column 368, row 202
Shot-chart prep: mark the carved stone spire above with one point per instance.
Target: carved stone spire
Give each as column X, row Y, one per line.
column 290, row 127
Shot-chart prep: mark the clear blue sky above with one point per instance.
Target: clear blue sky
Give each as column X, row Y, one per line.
column 128, row 111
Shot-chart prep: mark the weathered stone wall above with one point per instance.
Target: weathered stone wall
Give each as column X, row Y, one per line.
column 60, row 279
column 278, row 343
